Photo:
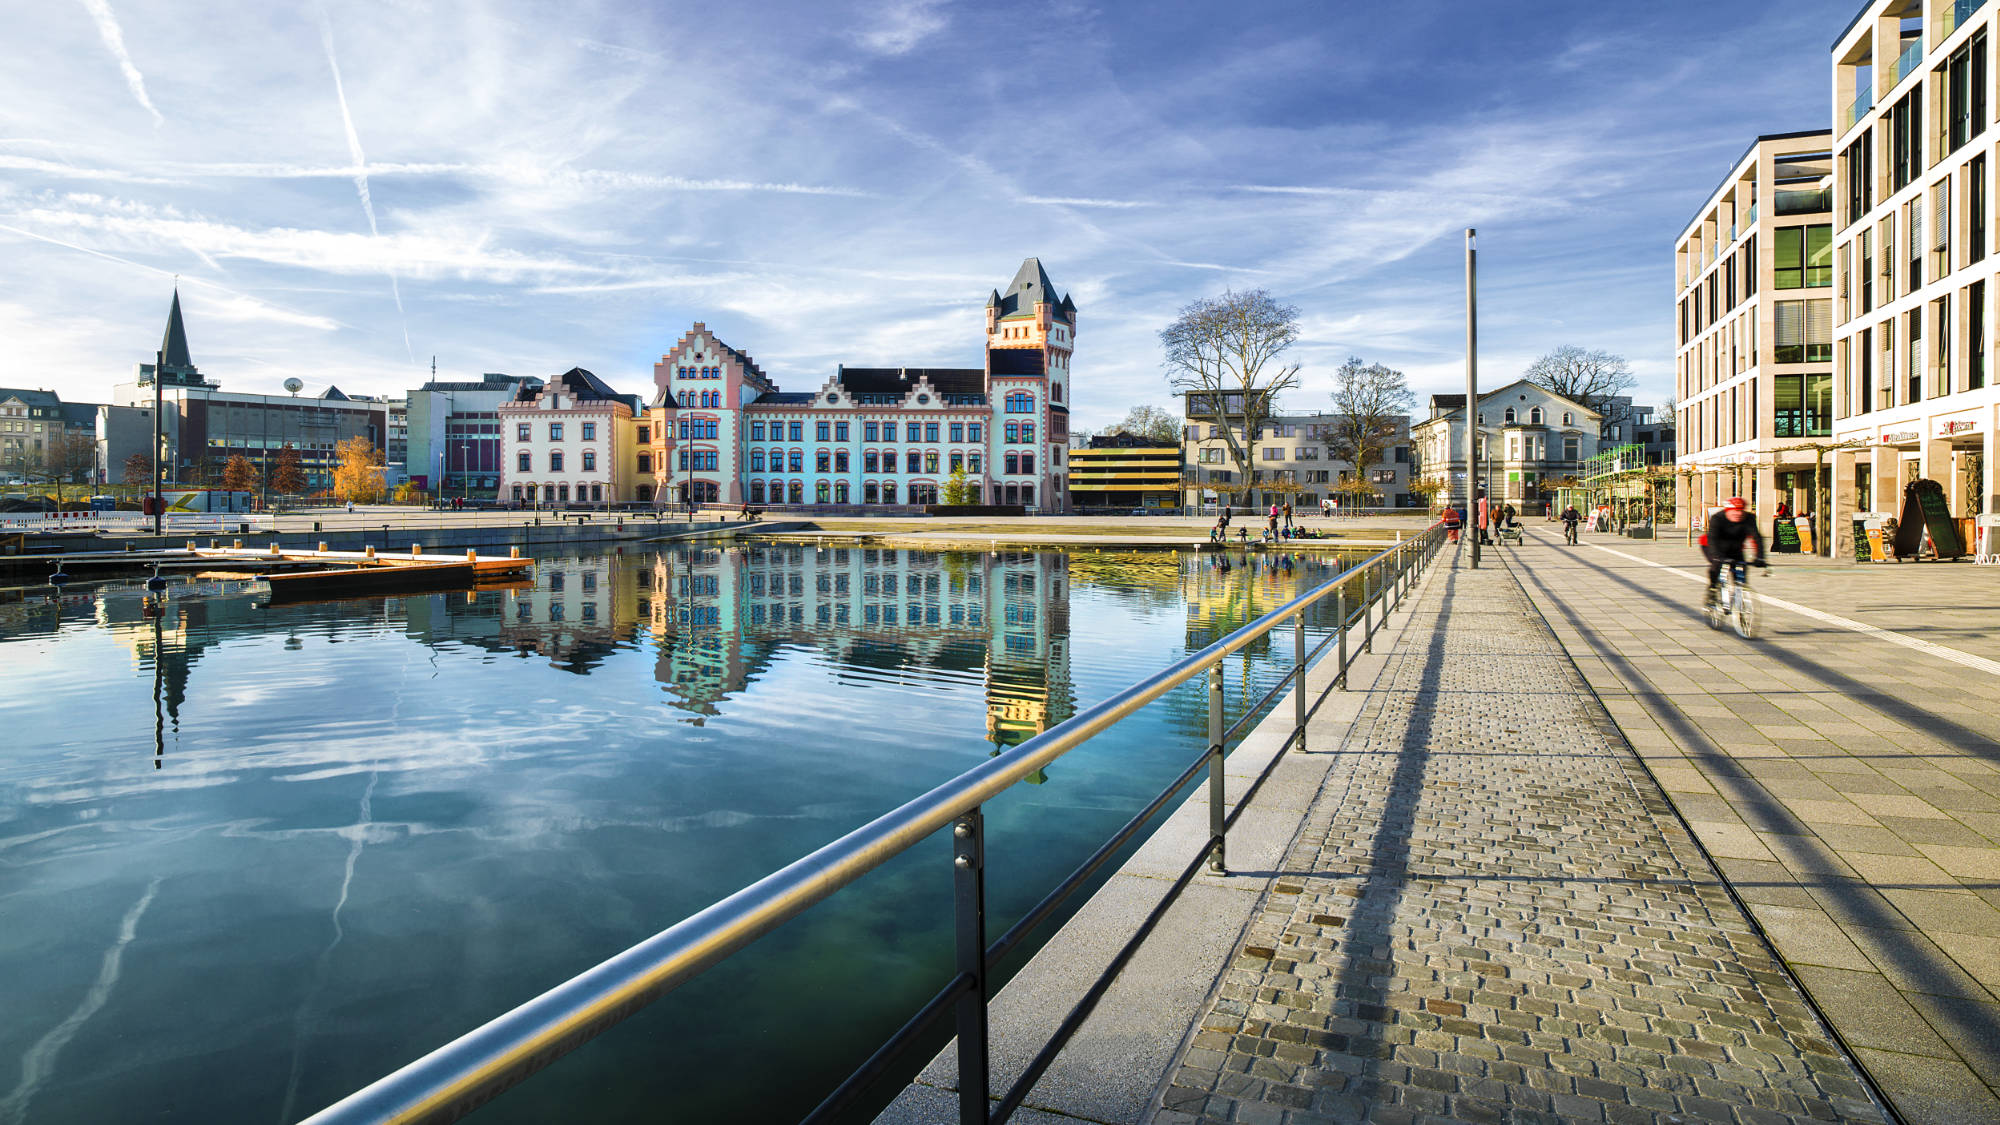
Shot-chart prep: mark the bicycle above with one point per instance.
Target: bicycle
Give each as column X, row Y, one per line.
column 1569, row 532
column 1733, row 601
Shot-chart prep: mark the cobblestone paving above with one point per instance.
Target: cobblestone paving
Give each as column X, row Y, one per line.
column 1490, row 915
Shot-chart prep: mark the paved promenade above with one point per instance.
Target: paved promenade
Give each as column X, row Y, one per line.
column 1491, row 914
column 1841, row 769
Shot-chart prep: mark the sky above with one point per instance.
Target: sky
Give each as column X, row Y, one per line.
column 347, row 190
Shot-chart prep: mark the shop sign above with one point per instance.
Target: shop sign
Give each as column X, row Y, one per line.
column 1899, row 437
column 1963, row 426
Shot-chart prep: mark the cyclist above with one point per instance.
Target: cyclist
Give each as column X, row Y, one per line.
column 1571, row 518
column 1728, row 531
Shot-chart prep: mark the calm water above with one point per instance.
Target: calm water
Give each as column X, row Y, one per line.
column 253, row 857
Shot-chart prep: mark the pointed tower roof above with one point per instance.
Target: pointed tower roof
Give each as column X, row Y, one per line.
column 174, row 346
column 1031, row 286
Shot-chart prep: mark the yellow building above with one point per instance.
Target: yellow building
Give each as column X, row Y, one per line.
column 1119, row 477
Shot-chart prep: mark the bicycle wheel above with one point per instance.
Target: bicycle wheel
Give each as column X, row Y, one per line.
column 1745, row 615
column 1716, row 609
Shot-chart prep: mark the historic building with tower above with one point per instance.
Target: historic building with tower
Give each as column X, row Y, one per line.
column 722, row 432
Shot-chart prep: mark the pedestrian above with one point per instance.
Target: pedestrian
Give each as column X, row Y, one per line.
column 1449, row 517
column 1507, row 515
column 1288, row 514
column 1482, row 516
column 1271, row 527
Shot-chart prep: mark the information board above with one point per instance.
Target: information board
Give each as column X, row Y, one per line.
column 1784, row 537
column 1924, row 508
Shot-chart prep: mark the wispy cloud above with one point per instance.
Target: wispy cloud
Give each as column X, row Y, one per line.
column 901, row 25
column 361, row 171
column 1081, row 201
column 114, row 41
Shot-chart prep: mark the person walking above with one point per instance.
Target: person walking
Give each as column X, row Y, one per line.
column 1483, row 520
column 1288, row 515
column 1449, row 517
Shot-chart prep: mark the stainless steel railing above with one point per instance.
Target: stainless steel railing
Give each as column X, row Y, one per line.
column 464, row 1074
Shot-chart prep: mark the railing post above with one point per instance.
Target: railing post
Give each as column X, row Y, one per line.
column 1368, row 587
column 1340, row 622
column 1216, row 861
column 1299, row 681
column 968, row 878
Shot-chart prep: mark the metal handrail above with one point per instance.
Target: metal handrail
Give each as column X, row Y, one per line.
column 462, row 1075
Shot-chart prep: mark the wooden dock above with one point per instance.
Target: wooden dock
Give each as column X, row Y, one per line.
column 296, row 575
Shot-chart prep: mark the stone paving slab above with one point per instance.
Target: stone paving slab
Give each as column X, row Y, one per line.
column 1491, row 914
column 1847, row 785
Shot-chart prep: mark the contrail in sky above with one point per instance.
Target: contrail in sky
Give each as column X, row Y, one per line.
column 114, row 41
column 361, row 171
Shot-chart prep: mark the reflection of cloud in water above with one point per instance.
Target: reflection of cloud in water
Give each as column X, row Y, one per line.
column 40, row 1060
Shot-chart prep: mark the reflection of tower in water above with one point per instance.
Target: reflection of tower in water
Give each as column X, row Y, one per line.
column 1028, row 687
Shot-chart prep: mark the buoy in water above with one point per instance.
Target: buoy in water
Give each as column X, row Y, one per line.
column 156, row 584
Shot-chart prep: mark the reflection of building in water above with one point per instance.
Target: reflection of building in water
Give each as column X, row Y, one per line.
column 719, row 614
column 1225, row 590
column 575, row 612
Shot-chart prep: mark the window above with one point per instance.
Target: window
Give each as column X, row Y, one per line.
column 821, row 493
column 1906, row 139
column 839, row 497
column 911, row 462
column 756, row 460
column 1027, row 462
column 589, row 460
column 972, row 462
column 888, row 492
column 798, row 489
column 1804, row 257
column 1274, row 453
column 840, row 460
column 645, row 462
column 871, row 431
column 972, row 430
column 958, row 431
column 1965, row 93
column 555, row 461
column 798, row 460
column 521, row 431
column 1028, row 432
column 931, row 462
column 1975, row 336
column 756, row 431
column 822, row 461
column 798, row 431
column 1535, row 416
column 645, row 435
column 684, row 460
column 1013, row 432
column 840, row 431
column 524, row 462
column 930, row 431
column 1802, row 406
column 1020, row 402
column 957, row 461
column 1572, row 448
column 823, row 431
column 555, row 431
column 1013, row 462
column 1858, row 165
column 913, row 432
column 1975, row 226
column 590, row 431
column 1568, row 418
column 869, row 462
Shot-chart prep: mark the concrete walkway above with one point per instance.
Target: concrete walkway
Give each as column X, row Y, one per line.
column 1841, row 769
column 1491, row 914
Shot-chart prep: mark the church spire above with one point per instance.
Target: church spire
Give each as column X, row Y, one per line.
column 174, row 347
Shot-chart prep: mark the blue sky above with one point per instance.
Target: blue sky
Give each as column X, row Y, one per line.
column 347, row 189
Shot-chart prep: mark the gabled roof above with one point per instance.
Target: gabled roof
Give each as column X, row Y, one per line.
column 1016, row 361
column 48, row 400
column 665, row 397
column 1031, row 286
column 1446, row 404
column 584, row 385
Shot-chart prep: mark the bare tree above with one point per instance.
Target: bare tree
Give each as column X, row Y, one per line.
column 1592, row 377
column 1223, row 354
column 1149, row 422
column 138, row 469
column 67, row 458
column 1372, row 402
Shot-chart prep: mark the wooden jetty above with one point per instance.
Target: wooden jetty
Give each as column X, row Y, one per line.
column 296, row 575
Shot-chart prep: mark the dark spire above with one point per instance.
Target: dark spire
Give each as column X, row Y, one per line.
column 1031, row 286
column 174, row 347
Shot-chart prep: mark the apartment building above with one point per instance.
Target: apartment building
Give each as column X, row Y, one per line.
column 1293, row 452
column 1124, row 472
column 1913, row 258
column 570, row 441
column 1531, row 441
column 1753, row 365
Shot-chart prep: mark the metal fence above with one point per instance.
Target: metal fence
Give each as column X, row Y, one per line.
column 457, row 1078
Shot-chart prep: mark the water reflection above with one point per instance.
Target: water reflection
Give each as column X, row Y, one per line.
column 289, row 848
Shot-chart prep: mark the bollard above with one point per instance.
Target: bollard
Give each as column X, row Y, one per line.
column 191, row 546
column 322, row 546
column 131, row 546
column 471, row 555
column 274, row 550
column 237, row 545
column 416, row 548
column 214, row 543
column 367, row 552
column 514, row 552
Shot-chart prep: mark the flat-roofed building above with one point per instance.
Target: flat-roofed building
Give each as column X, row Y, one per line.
column 1753, row 362
column 1122, row 472
column 1913, row 395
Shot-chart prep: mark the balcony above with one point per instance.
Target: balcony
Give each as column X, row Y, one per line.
column 1858, row 108
column 1906, row 63
column 1954, row 17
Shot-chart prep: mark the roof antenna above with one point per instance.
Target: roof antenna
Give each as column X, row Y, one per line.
column 434, row 369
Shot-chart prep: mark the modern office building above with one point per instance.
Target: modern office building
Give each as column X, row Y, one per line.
column 453, row 441
column 1122, row 473
column 205, row 426
column 1913, row 260
column 1531, row 440
column 883, row 436
column 1294, row 453
column 1754, row 286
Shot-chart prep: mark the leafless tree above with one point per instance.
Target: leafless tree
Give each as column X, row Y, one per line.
column 1372, row 401
column 1223, row 353
column 67, row 458
column 1149, row 422
column 138, row 469
column 1591, row 377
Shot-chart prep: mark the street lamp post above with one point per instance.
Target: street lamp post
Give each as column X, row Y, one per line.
column 1472, row 388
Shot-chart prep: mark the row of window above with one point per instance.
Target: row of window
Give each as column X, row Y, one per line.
column 1926, row 369
column 589, row 431
column 1956, row 90
column 1922, row 255
column 872, row 492
column 1802, row 259
column 699, row 372
column 870, row 431
column 872, row 461
column 586, row 493
column 705, row 400
column 525, row 462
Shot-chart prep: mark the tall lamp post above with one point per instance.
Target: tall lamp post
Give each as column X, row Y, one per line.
column 1472, row 388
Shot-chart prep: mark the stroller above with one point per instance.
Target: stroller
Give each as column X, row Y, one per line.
column 1507, row 534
